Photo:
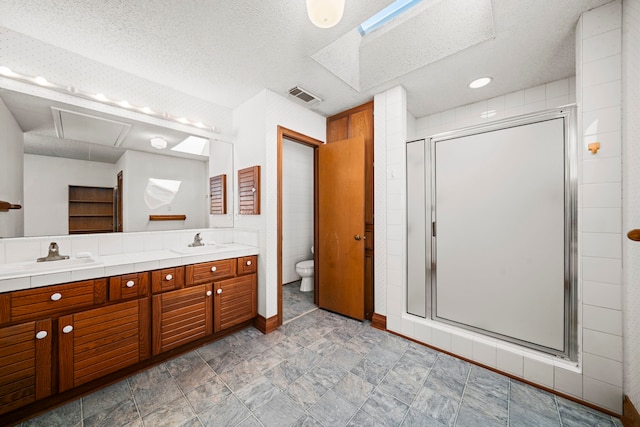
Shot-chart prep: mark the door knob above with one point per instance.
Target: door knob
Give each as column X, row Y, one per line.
column 357, row 237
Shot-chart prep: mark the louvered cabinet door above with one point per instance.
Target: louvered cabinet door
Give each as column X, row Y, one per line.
column 25, row 364
column 181, row 316
column 98, row 342
column 235, row 301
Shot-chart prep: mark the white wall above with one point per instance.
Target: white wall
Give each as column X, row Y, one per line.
column 631, row 195
column 297, row 207
column 221, row 162
column 46, row 190
column 192, row 197
column 255, row 127
column 12, row 149
column 598, row 377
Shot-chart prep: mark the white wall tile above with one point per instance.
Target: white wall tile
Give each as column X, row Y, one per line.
column 558, row 101
column 608, row 195
column 538, row 371
column 602, row 344
column 22, row 250
column 602, row 394
column 603, row 369
column 534, row 94
column 602, row 19
column 423, row 333
column 2, row 252
column 441, row 339
column 514, row 99
column 602, row 245
column 462, row 344
column 511, row 361
column 602, row 120
column 152, row 241
column 133, row 242
column 601, row 71
column 602, row 45
column 602, row 270
column 603, row 295
column 568, row 382
column 485, row 352
column 602, row 319
column 610, row 145
column 557, row 88
column 602, row 96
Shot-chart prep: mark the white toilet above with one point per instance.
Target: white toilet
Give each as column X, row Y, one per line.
column 305, row 270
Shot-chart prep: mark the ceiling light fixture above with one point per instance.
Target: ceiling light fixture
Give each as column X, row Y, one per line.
column 70, row 89
column 481, row 82
column 325, row 13
column 158, row 143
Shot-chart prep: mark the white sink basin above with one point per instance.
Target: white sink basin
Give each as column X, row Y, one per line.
column 192, row 250
column 33, row 267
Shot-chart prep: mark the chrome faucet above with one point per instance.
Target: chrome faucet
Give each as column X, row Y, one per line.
column 53, row 255
column 197, row 241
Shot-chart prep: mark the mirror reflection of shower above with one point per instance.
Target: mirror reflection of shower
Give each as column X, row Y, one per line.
column 297, row 230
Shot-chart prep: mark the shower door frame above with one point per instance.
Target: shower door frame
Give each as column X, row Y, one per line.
column 568, row 114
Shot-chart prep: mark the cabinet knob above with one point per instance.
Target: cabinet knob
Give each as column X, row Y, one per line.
column 67, row 329
column 41, row 335
column 130, row 284
column 209, row 293
column 168, row 277
column 249, row 262
column 219, row 291
column 56, row 296
column 214, row 268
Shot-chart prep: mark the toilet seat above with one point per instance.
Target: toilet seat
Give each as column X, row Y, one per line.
column 305, row 264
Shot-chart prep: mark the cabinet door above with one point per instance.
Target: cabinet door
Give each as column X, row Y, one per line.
column 207, row 272
column 25, row 364
column 98, row 342
column 181, row 316
column 167, row 279
column 235, row 301
column 247, row 264
column 128, row 286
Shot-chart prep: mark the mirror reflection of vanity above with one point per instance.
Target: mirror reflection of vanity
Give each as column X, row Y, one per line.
column 74, row 144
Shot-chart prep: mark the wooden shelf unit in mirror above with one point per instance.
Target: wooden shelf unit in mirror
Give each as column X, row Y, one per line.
column 91, row 209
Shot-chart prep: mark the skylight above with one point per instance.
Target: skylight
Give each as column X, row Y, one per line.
column 193, row 145
column 385, row 15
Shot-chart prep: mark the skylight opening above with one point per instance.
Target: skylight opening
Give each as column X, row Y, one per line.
column 385, row 15
column 193, row 145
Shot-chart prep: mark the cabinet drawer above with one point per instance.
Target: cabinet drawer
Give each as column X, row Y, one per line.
column 50, row 300
column 167, row 279
column 128, row 286
column 235, row 301
column 247, row 264
column 207, row 272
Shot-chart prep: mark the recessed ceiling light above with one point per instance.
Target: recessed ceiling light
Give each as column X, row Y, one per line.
column 481, row 82
column 158, row 143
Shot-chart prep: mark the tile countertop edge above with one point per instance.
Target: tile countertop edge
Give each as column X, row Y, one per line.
column 124, row 262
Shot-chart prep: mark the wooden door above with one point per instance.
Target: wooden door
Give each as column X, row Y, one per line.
column 97, row 342
column 341, row 228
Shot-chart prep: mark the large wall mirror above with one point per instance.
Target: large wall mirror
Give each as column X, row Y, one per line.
column 73, row 144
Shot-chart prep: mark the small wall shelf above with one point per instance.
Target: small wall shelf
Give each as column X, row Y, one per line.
column 6, row 206
column 249, row 190
column 91, row 209
column 167, row 217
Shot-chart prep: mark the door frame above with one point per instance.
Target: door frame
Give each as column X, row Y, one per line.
column 313, row 143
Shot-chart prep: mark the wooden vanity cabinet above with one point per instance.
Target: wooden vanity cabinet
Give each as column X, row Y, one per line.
column 206, row 272
column 25, row 364
column 181, row 316
column 97, row 342
column 128, row 286
column 247, row 264
column 235, row 301
column 167, row 279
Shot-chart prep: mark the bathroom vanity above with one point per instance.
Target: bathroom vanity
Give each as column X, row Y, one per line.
column 58, row 341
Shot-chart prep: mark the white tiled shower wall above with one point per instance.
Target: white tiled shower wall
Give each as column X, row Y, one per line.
column 297, row 207
column 598, row 378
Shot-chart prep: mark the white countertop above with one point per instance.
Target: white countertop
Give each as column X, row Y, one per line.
column 114, row 265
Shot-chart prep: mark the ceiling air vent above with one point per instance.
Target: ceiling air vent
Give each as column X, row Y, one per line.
column 304, row 95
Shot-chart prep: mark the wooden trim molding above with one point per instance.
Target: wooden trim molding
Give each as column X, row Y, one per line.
column 266, row 326
column 379, row 321
column 167, row 217
column 630, row 417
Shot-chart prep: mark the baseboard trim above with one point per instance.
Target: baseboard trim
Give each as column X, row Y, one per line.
column 266, row 326
column 630, row 417
column 379, row 321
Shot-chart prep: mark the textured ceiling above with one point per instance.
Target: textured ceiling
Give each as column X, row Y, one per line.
column 220, row 53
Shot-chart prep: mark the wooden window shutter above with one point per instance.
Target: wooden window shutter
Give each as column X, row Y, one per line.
column 218, row 193
column 249, row 190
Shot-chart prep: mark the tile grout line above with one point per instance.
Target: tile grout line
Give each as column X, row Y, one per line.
column 455, row 421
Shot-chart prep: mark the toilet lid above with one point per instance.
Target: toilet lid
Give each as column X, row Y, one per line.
column 305, row 264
